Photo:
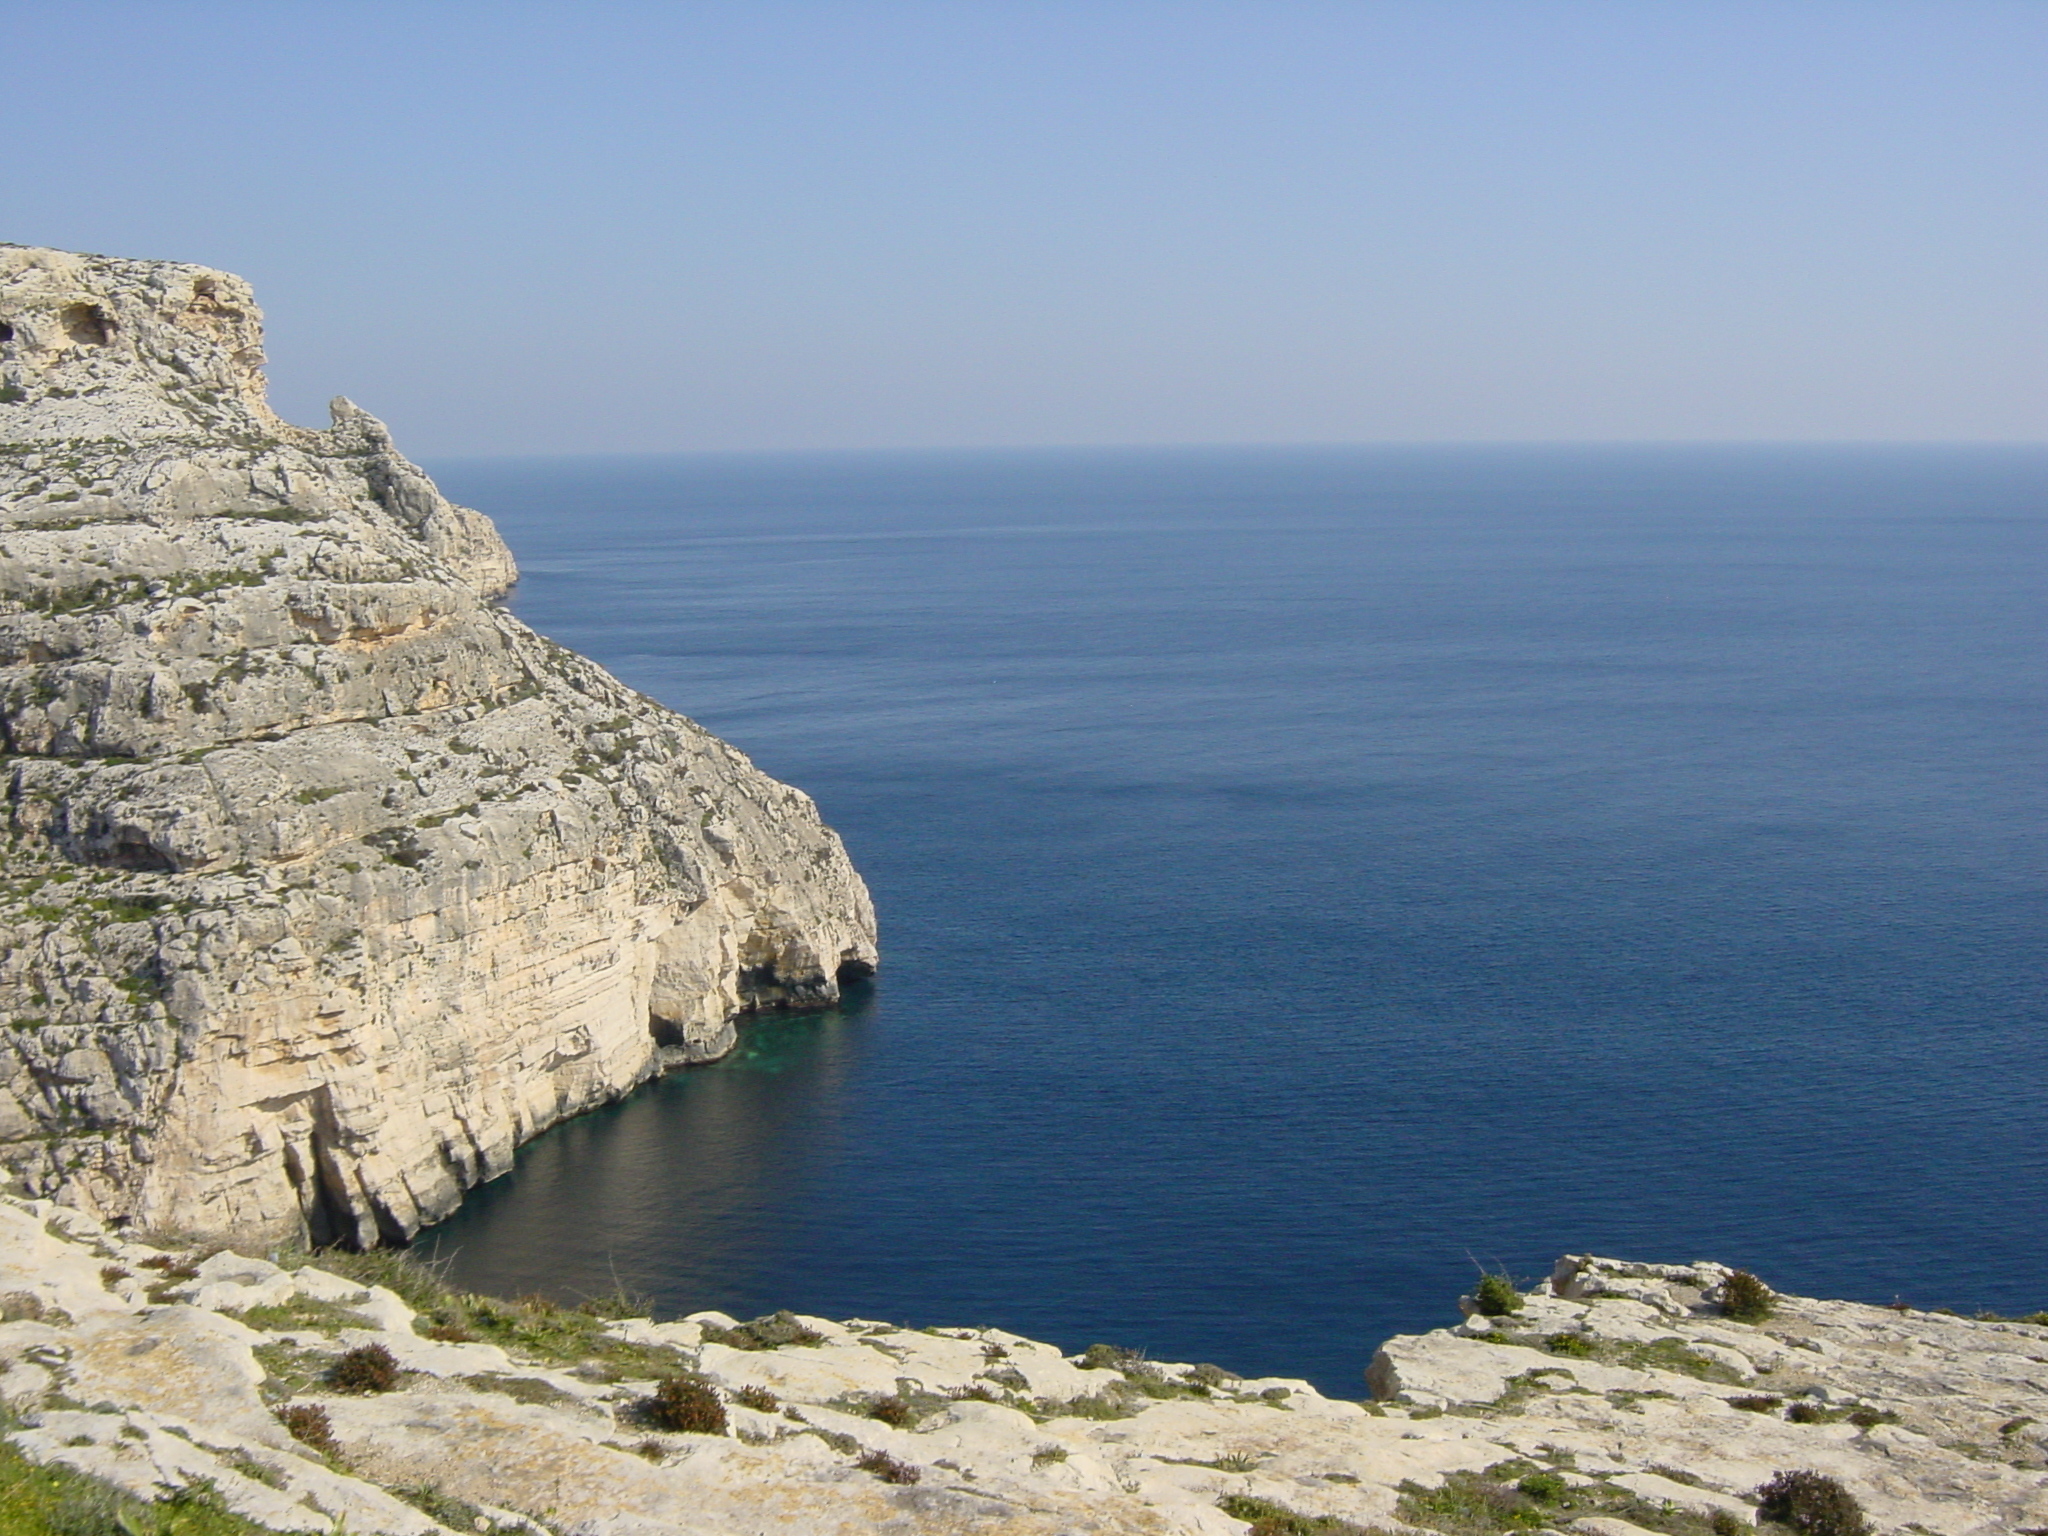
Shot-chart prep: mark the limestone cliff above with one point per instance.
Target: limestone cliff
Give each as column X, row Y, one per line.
column 326, row 881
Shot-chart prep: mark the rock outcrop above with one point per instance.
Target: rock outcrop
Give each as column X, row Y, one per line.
column 326, row 882
column 1619, row 1402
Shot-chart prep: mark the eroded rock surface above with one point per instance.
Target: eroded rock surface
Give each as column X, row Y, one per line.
column 154, row 1369
column 326, row 882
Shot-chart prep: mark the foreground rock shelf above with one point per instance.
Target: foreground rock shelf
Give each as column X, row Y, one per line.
column 1620, row 1400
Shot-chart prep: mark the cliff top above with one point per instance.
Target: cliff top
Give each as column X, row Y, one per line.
column 1618, row 1400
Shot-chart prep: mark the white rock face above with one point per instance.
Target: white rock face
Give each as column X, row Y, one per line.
column 1936, row 1424
column 326, row 882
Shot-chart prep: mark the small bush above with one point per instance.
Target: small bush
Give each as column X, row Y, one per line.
column 1496, row 1296
column 771, row 1332
column 369, row 1368
column 994, row 1351
column 1544, row 1487
column 447, row 1333
column 685, row 1405
column 1746, row 1298
column 893, row 1411
column 1808, row 1413
column 760, row 1399
column 1573, row 1346
column 307, row 1423
column 1870, row 1418
column 888, row 1468
column 1726, row 1522
column 1048, row 1455
column 1756, row 1404
column 111, row 1274
column 1107, row 1357
column 1813, row 1504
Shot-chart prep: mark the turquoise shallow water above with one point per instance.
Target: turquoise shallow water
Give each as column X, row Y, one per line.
column 1305, row 873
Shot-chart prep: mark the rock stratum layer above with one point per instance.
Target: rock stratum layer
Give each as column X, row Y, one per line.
column 326, row 881
column 1618, row 1401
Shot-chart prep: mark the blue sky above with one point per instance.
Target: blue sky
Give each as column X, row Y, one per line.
column 515, row 228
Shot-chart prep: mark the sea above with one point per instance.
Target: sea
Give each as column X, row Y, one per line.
column 1308, row 877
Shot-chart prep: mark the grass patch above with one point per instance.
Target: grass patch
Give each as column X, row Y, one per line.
column 1671, row 1354
column 432, row 1500
column 521, row 1389
column 302, row 1312
column 56, row 1501
column 1096, row 1405
column 289, row 1370
column 1520, row 1496
column 1270, row 1519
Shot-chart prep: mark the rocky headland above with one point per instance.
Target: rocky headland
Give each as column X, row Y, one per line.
column 325, row 882
column 355, row 1392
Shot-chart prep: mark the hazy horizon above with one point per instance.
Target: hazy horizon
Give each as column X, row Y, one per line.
column 785, row 226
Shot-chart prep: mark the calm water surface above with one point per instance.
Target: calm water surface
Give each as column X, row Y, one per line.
column 1305, row 873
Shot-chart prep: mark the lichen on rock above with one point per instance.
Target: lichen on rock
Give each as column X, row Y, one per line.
column 324, row 881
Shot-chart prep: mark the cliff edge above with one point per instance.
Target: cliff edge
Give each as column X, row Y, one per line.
column 325, row 882
column 1619, row 1400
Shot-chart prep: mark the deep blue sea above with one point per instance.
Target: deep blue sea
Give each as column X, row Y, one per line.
column 1307, row 874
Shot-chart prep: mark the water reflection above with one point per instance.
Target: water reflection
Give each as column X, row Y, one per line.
column 691, row 1179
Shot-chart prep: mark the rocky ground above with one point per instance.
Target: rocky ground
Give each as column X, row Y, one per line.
column 1620, row 1399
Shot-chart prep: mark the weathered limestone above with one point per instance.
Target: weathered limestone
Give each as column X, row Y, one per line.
column 1936, row 1424
column 325, row 882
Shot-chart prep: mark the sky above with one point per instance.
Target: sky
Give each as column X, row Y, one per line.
column 513, row 228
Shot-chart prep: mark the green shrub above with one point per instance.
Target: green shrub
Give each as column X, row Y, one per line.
column 368, row 1368
column 1107, row 1357
column 307, row 1423
column 888, row 1468
column 1726, row 1522
column 760, row 1399
column 685, row 1405
column 1496, row 1296
column 1746, row 1298
column 1811, row 1503
column 770, row 1332
column 1756, row 1404
column 1544, row 1487
column 1808, row 1413
column 1573, row 1346
column 1048, row 1455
